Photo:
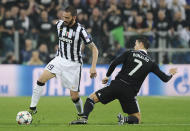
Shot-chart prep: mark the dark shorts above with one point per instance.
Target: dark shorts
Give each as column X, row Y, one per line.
column 119, row 90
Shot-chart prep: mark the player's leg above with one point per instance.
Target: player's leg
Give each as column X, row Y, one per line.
column 104, row 96
column 38, row 89
column 129, row 106
column 130, row 119
column 88, row 107
column 51, row 70
column 135, row 116
column 70, row 77
column 77, row 101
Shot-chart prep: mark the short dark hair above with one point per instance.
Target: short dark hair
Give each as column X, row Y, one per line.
column 144, row 40
column 72, row 10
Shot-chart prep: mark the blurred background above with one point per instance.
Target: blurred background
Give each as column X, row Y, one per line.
column 28, row 32
column 28, row 37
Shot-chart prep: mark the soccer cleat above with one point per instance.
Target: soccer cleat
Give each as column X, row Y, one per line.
column 32, row 112
column 79, row 121
column 121, row 118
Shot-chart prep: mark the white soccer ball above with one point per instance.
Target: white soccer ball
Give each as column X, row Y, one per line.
column 24, row 117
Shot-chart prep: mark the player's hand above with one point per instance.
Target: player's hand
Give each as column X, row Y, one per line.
column 173, row 71
column 93, row 73
column 105, row 80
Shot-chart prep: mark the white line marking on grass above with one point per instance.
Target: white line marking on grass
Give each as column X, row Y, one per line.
column 170, row 97
column 164, row 124
column 188, row 124
column 91, row 124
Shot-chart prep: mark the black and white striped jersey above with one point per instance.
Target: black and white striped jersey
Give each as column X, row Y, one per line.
column 70, row 41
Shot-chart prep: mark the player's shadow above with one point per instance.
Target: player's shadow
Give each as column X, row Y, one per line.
column 67, row 124
column 102, row 124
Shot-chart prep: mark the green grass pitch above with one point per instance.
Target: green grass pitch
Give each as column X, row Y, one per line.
column 54, row 113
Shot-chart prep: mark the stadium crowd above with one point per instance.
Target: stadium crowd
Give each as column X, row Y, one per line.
column 113, row 24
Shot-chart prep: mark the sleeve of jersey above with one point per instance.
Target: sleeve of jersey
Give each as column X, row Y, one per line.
column 119, row 60
column 58, row 26
column 86, row 37
column 164, row 77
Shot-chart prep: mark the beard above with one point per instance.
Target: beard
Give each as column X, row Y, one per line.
column 70, row 22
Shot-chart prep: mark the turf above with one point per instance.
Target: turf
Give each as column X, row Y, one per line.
column 54, row 114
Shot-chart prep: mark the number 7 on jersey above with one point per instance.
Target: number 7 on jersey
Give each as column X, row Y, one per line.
column 139, row 64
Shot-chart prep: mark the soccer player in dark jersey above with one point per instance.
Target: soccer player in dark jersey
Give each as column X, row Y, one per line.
column 136, row 66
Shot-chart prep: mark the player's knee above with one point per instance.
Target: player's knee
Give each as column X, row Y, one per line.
column 45, row 76
column 94, row 97
column 42, row 80
column 133, row 120
column 138, row 115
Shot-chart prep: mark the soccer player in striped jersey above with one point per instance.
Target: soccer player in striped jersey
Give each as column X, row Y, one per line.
column 68, row 61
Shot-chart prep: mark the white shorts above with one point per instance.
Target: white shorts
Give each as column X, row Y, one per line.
column 69, row 72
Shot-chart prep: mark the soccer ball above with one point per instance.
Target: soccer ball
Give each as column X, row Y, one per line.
column 24, row 117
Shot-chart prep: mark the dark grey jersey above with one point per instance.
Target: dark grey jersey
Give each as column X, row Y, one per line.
column 135, row 68
column 70, row 40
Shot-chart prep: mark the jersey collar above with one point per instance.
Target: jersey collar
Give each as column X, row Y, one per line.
column 143, row 51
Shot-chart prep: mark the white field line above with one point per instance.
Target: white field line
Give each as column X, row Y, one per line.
column 101, row 125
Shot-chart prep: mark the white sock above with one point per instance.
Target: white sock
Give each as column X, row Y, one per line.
column 37, row 92
column 79, row 106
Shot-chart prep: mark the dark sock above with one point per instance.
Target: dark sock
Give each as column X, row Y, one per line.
column 40, row 83
column 75, row 101
column 131, row 120
column 88, row 107
column 33, row 108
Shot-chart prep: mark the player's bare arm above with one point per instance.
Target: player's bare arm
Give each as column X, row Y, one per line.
column 94, row 50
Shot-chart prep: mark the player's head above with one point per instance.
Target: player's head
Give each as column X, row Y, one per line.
column 141, row 43
column 69, row 15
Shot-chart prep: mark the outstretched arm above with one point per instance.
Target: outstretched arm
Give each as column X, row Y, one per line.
column 94, row 50
column 164, row 77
